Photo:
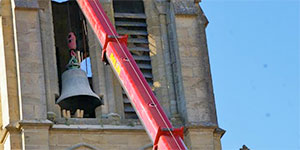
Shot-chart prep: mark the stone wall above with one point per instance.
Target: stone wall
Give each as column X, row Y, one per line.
column 197, row 99
column 31, row 64
column 64, row 137
column 10, row 79
column 29, row 81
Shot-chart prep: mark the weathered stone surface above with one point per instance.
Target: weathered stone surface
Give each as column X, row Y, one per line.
column 99, row 138
column 49, row 56
column 31, row 74
column 186, row 7
column 27, row 4
column 10, row 84
column 200, row 139
column 163, row 82
column 195, row 70
column 181, row 73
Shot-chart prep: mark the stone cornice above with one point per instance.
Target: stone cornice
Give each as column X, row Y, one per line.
column 201, row 125
column 10, row 128
column 204, row 125
column 3, row 135
column 97, row 127
column 203, row 19
column 13, row 127
column 35, row 123
column 220, row 131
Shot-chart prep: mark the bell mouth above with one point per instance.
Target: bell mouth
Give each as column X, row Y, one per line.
column 87, row 103
column 77, row 94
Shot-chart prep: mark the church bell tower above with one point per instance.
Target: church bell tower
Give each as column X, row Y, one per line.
column 167, row 40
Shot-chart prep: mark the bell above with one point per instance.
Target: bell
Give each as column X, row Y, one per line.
column 76, row 92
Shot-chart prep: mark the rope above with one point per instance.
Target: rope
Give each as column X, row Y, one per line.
column 84, row 44
column 69, row 18
column 74, row 61
column 137, row 75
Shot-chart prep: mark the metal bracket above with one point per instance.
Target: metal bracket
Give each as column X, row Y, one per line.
column 167, row 132
column 111, row 38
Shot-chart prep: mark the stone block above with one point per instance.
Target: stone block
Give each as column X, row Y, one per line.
column 36, row 138
column 188, row 22
column 184, row 7
column 187, row 72
column 201, row 139
column 31, row 111
column 32, row 83
column 15, row 141
column 69, row 139
column 53, row 139
column 113, row 139
column 27, row 4
column 58, row 147
column 93, row 138
column 122, row 139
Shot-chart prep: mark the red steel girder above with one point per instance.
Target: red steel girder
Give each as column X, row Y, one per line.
column 147, row 107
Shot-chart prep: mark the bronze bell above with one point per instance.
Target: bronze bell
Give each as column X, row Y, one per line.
column 76, row 92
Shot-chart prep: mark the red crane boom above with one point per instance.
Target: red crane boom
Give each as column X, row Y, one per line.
column 115, row 52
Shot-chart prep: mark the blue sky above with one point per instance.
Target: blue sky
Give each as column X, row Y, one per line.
column 254, row 56
column 60, row 0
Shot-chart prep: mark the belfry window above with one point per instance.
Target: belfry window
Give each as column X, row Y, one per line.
column 130, row 19
column 73, row 61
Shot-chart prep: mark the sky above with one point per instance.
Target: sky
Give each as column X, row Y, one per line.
column 254, row 56
column 60, row 1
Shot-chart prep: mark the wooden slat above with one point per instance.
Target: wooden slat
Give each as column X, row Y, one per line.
column 142, row 58
column 144, row 66
column 122, row 26
column 130, row 15
column 130, row 24
column 132, row 32
column 147, row 75
column 150, row 84
column 123, row 92
column 126, row 100
column 139, row 49
column 132, row 115
column 128, row 108
column 138, row 40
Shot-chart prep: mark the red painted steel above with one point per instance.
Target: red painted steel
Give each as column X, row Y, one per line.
column 115, row 51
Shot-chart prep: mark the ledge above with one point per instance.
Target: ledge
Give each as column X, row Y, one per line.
column 97, row 127
column 220, row 131
column 35, row 123
column 97, row 121
column 195, row 125
column 205, row 125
